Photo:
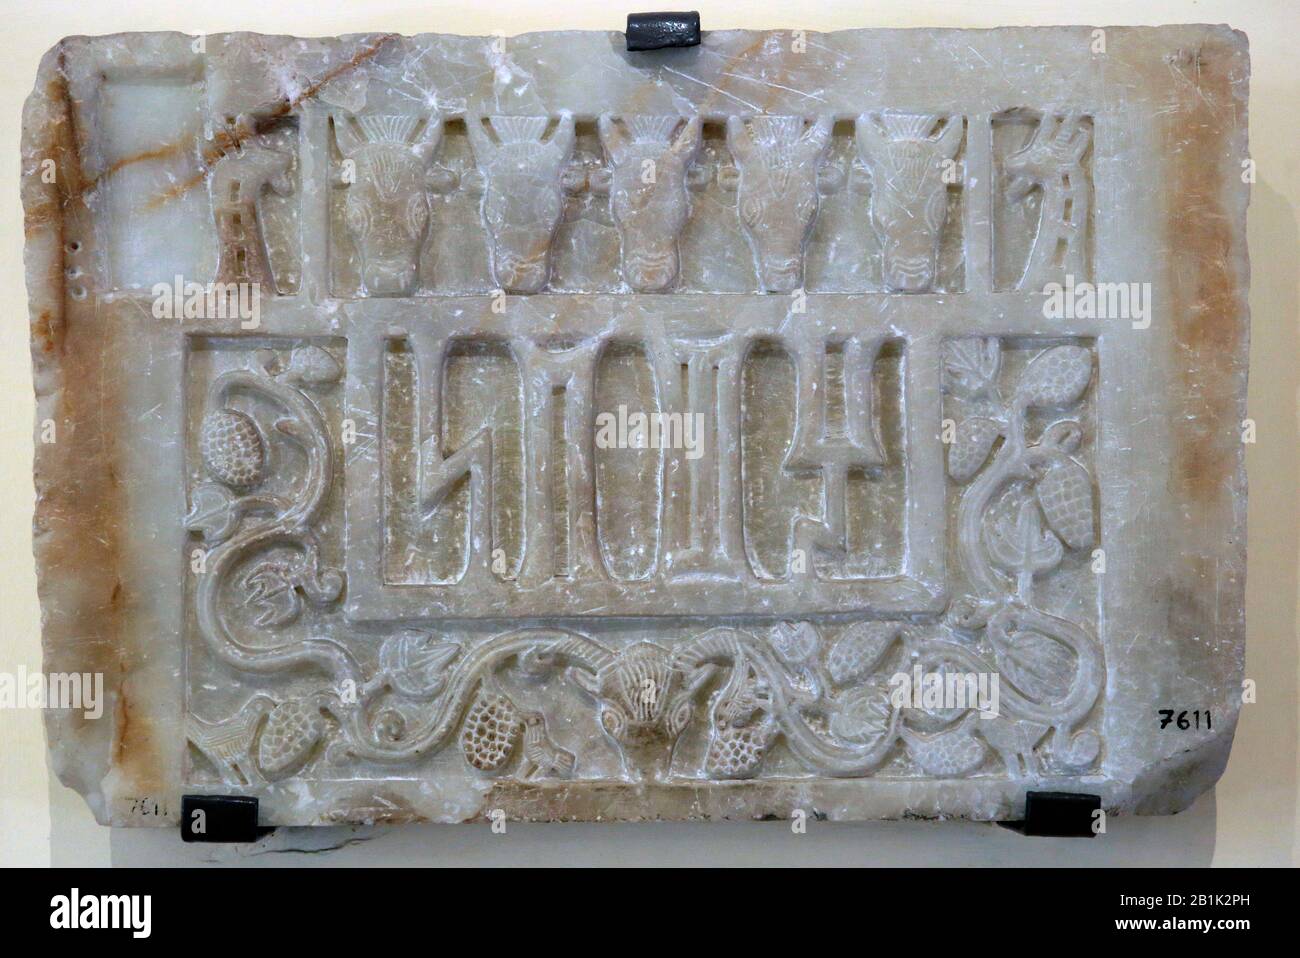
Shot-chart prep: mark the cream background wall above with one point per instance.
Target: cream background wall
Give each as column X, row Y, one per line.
column 1251, row 818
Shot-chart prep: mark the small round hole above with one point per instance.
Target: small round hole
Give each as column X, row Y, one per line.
column 74, row 246
column 78, row 292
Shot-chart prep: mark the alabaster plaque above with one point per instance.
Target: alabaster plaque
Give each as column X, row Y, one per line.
column 434, row 428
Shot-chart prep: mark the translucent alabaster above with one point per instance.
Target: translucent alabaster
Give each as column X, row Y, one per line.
column 585, row 434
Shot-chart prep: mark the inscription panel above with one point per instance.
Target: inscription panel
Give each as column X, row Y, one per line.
column 819, row 507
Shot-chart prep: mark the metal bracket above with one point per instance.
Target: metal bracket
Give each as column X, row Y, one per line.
column 224, row 819
column 1058, row 815
column 657, row 31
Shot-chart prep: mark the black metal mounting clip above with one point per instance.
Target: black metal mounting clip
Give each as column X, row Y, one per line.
column 657, row 31
column 1058, row 815
column 224, row 819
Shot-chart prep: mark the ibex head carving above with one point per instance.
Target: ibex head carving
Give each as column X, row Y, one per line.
column 387, row 207
column 779, row 158
column 648, row 198
column 909, row 193
column 1055, row 149
column 522, row 200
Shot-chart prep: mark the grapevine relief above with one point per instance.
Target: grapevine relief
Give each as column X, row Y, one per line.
column 830, row 705
column 1025, row 504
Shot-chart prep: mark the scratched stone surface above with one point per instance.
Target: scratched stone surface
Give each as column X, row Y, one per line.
column 433, row 426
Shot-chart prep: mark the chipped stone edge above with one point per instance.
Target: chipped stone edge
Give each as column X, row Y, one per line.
column 79, row 501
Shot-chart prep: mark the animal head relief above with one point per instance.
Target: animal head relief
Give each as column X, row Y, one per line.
column 650, row 157
column 779, row 158
column 1050, row 166
column 522, row 195
column 907, row 154
column 386, row 210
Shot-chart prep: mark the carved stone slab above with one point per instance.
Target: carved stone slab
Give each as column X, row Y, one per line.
column 431, row 427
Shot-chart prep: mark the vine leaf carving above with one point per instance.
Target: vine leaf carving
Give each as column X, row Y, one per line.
column 1038, row 665
column 415, row 663
column 795, row 642
column 971, row 366
column 271, row 588
column 312, row 366
column 214, row 515
column 797, row 645
column 865, row 715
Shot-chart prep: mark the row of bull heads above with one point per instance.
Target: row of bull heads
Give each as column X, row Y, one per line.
column 525, row 165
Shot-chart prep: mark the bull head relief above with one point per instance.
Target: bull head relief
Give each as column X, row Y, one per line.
column 779, row 158
column 388, row 176
column 909, row 191
column 648, row 197
column 522, row 193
